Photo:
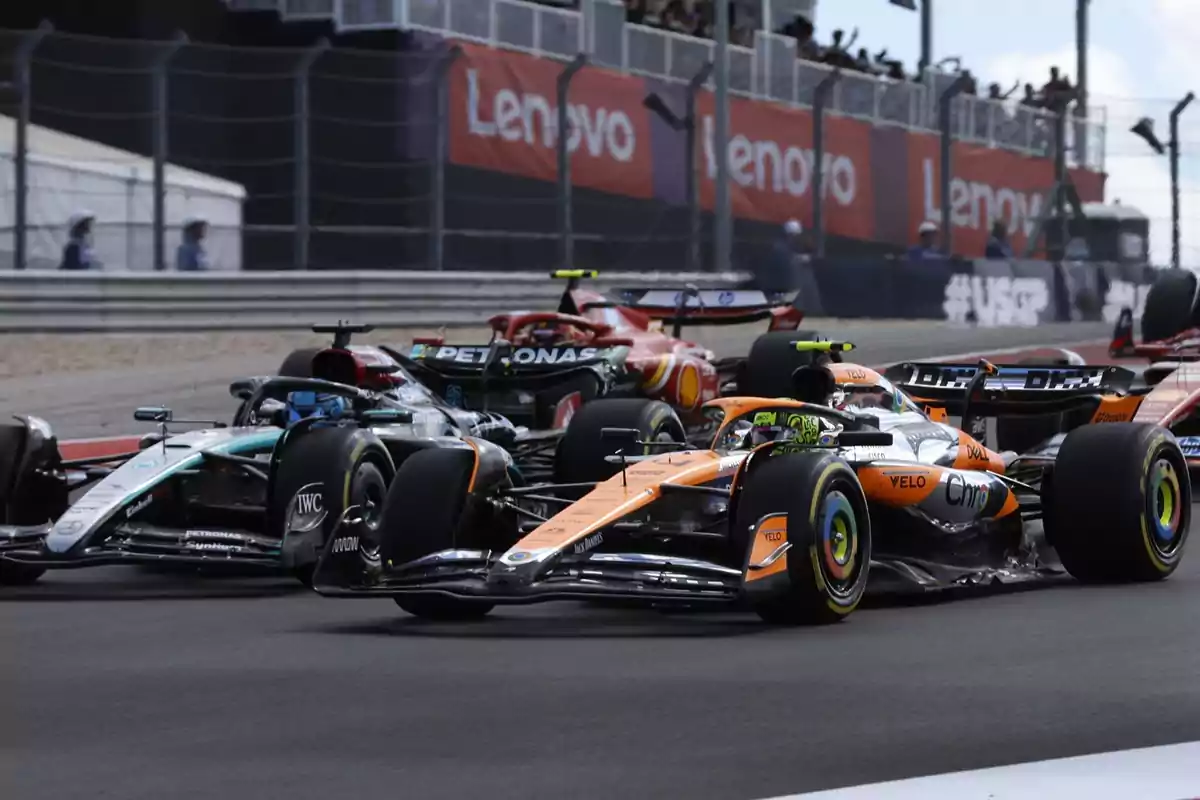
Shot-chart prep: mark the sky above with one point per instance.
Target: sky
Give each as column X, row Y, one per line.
column 1143, row 57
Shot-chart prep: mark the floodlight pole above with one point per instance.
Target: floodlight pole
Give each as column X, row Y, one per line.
column 1174, row 150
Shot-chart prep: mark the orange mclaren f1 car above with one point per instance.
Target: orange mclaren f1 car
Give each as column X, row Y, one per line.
column 795, row 509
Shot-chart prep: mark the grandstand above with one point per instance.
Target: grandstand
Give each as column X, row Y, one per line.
column 766, row 67
column 356, row 169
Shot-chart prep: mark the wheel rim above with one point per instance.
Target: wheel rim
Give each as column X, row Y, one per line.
column 839, row 542
column 370, row 499
column 1165, row 499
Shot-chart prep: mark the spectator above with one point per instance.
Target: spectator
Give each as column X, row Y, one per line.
column 77, row 254
column 1030, row 99
column 781, row 271
column 926, row 247
column 635, row 11
column 190, row 255
column 998, row 247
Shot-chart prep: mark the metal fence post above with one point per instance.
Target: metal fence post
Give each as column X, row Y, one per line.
column 441, row 136
column 565, row 211
column 302, row 208
column 820, row 102
column 23, row 83
column 692, row 179
column 944, row 103
column 161, row 125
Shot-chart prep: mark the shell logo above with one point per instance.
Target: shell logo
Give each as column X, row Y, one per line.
column 689, row 386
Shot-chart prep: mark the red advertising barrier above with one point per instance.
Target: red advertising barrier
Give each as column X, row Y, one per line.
column 771, row 166
column 503, row 117
column 880, row 182
column 987, row 185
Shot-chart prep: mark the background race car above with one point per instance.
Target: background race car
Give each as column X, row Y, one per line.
column 540, row 367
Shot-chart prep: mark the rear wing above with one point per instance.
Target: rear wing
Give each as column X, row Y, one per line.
column 1008, row 388
column 689, row 305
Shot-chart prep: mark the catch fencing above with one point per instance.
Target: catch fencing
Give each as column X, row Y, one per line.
column 326, row 157
column 982, row 293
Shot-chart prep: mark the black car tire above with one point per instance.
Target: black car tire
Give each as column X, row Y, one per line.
column 767, row 370
column 818, row 492
column 298, row 363
column 1119, row 503
column 581, row 453
column 423, row 514
column 23, row 502
column 1170, row 306
column 1023, row 433
column 353, row 468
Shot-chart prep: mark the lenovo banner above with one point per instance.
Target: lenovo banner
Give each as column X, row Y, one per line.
column 881, row 182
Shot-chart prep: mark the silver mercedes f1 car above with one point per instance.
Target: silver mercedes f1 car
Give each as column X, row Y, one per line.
column 265, row 491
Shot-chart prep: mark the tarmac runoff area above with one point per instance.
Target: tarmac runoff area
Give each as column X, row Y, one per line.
column 135, row 685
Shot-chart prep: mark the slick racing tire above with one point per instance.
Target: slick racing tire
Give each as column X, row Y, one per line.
column 767, row 370
column 581, row 453
column 423, row 514
column 1170, row 305
column 813, row 502
column 298, row 363
column 344, row 468
column 28, row 496
column 1023, row 433
column 1118, row 503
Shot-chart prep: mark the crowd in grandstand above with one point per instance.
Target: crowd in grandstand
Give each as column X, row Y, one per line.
column 696, row 18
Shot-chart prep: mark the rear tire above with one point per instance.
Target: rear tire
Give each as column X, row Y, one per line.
column 298, row 363
column 1119, row 505
column 828, row 527
column 1170, row 306
column 581, row 453
column 767, row 371
column 423, row 514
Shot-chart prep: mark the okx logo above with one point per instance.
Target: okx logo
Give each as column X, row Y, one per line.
column 996, row 301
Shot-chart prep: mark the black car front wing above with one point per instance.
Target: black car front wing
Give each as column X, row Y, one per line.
column 471, row 574
column 137, row 543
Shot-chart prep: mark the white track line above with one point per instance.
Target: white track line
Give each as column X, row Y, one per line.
column 1171, row 772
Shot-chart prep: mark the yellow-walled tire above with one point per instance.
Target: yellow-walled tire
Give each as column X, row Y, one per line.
column 1118, row 503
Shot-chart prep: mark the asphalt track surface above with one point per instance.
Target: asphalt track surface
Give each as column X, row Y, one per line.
column 125, row 684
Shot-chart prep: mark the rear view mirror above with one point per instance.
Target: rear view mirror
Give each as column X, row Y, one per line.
column 864, row 439
column 152, row 414
column 386, row 416
column 625, row 434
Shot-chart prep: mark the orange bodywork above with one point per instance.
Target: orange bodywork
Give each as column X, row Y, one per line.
column 620, row 495
column 771, row 533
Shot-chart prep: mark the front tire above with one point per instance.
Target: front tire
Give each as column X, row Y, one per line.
column 344, row 467
column 423, row 514
column 826, row 522
column 1119, row 504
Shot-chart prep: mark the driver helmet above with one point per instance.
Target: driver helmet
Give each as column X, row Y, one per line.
column 311, row 404
column 544, row 334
